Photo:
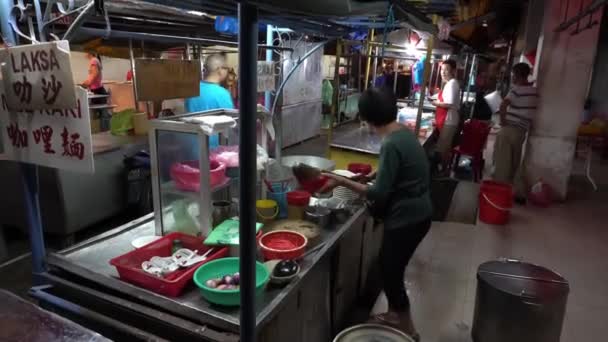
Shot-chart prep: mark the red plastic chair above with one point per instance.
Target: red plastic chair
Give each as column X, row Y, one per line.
column 472, row 143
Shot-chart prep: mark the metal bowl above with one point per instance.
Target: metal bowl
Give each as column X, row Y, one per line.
column 318, row 162
column 319, row 215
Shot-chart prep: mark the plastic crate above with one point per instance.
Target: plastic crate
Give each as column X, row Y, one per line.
column 129, row 265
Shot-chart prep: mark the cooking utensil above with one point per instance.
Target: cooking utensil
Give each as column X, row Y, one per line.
column 222, row 211
column 319, row 215
column 318, row 162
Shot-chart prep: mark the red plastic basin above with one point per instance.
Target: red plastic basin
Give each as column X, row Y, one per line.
column 129, row 265
column 283, row 245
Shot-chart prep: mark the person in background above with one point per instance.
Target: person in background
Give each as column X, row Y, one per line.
column 212, row 94
column 94, row 80
column 447, row 118
column 517, row 112
column 381, row 77
column 94, row 84
column 401, row 196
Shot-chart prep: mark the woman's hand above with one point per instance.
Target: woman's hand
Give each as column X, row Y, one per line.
column 333, row 182
column 364, row 179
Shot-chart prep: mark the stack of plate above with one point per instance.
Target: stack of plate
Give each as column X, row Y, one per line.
column 341, row 192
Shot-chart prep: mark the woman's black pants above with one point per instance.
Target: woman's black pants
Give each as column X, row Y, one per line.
column 398, row 247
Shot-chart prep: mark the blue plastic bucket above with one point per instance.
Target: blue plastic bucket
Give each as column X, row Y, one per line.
column 281, row 199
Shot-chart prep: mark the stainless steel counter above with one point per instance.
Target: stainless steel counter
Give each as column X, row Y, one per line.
column 353, row 137
column 89, row 260
column 106, row 142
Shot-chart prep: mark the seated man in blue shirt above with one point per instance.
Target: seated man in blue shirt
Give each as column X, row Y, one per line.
column 212, row 94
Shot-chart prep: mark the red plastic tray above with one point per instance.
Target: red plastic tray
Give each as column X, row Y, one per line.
column 129, row 265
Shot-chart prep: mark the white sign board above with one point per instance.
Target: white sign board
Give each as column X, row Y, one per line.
column 266, row 76
column 57, row 138
column 38, row 76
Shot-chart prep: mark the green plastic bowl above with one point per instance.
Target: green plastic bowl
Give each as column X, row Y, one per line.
column 227, row 266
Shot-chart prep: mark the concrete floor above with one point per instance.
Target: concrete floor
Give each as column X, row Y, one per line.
column 570, row 238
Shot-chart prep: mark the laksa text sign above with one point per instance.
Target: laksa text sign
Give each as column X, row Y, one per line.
column 57, row 138
column 38, row 76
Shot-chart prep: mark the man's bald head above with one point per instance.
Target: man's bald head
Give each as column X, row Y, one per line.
column 215, row 63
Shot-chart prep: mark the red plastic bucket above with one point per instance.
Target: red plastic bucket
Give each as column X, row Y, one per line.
column 495, row 202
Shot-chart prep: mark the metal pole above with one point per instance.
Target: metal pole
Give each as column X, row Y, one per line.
column 471, row 76
column 29, row 176
column 427, row 64
column 132, row 57
column 395, row 68
column 335, row 105
column 375, row 67
column 6, row 6
column 368, row 51
column 38, row 11
column 466, row 75
column 431, row 83
column 248, row 37
column 269, row 41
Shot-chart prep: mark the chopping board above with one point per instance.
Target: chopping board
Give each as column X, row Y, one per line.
column 310, row 230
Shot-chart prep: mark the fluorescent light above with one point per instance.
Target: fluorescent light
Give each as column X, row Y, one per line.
column 200, row 14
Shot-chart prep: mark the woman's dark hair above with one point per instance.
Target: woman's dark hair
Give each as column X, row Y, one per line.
column 521, row 70
column 378, row 106
column 451, row 63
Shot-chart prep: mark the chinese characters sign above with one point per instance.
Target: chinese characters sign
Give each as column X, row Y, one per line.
column 58, row 138
column 266, row 76
column 38, row 76
column 162, row 79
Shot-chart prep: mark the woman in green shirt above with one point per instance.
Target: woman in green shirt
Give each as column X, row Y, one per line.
column 401, row 196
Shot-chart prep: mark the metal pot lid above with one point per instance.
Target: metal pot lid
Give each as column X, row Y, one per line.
column 372, row 333
column 529, row 281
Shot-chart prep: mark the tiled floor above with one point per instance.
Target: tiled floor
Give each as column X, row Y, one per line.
column 569, row 238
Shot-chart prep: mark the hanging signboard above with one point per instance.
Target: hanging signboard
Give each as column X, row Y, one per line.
column 266, row 76
column 163, row 79
column 38, row 76
column 57, row 138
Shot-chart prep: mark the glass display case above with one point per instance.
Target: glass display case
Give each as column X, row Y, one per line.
column 188, row 174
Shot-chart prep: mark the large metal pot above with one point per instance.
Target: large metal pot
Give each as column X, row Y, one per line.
column 518, row 301
column 372, row 332
column 318, row 162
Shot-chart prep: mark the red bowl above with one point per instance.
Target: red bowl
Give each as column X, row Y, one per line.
column 360, row 168
column 299, row 198
column 314, row 185
column 283, row 245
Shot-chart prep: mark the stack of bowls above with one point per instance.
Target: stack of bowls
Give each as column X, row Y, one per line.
column 341, row 192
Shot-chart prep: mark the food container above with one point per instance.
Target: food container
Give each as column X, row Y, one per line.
column 314, row 185
column 266, row 210
column 283, row 245
column 187, row 175
column 360, row 168
column 129, row 265
column 297, row 201
column 372, row 332
column 319, row 215
column 218, row 269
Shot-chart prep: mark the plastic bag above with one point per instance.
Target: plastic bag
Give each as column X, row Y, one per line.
column 122, row 122
column 541, row 194
column 228, row 155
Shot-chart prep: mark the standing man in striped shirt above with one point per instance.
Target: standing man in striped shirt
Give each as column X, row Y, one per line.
column 516, row 115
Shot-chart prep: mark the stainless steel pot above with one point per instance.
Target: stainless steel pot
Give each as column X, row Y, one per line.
column 319, row 215
column 318, row 162
column 518, row 301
